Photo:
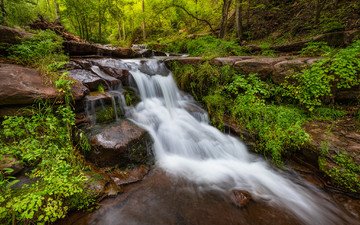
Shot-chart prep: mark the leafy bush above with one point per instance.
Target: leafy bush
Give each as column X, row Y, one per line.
column 315, row 49
column 340, row 71
column 207, row 46
column 342, row 169
column 43, row 50
column 43, row 142
column 325, row 113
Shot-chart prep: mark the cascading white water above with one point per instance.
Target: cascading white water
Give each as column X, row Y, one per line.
column 187, row 146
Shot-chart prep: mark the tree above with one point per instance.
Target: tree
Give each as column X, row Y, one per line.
column 224, row 17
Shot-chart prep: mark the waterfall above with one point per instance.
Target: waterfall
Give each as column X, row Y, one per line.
column 187, row 146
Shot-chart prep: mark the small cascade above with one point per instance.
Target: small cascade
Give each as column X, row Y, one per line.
column 187, row 146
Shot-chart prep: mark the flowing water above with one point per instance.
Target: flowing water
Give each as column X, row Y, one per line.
column 186, row 146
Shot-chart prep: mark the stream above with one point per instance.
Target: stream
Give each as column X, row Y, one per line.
column 198, row 170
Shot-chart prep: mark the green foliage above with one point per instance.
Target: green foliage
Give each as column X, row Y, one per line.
column 326, row 113
column 279, row 128
column 342, row 169
column 206, row 46
column 315, row 49
column 266, row 50
column 340, row 71
column 43, row 50
column 43, row 142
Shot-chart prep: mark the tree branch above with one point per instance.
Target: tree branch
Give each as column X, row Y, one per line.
column 193, row 16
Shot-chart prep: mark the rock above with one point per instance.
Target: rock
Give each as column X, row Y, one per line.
column 127, row 176
column 119, row 74
column 10, row 162
column 241, row 198
column 109, row 80
column 12, row 35
column 286, row 68
column 75, row 48
column 263, row 66
column 348, row 96
column 101, row 185
column 87, row 78
column 79, row 91
column 223, row 61
column 115, row 68
column 21, row 85
column 122, row 143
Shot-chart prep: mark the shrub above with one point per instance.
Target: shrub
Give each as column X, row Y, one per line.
column 43, row 50
column 339, row 71
column 315, row 49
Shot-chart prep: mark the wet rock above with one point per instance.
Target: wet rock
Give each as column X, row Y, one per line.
column 21, row 85
column 109, row 80
column 127, row 176
column 101, row 185
column 119, row 74
column 10, row 162
column 87, row 78
column 122, row 144
column 79, row 91
column 264, row 67
column 72, row 65
column 241, row 198
column 153, row 67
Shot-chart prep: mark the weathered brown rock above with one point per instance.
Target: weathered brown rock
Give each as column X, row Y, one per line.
column 286, row 68
column 122, row 144
column 21, row 85
column 79, row 91
column 223, row 61
column 87, row 78
column 241, row 198
column 101, row 185
column 263, row 66
column 12, row 35
column 82, row 49
column 10, row 162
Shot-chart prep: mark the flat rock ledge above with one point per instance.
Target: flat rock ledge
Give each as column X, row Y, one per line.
column 23, row 86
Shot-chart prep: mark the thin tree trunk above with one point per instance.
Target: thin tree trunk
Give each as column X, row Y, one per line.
column 319, row 7
column 119, row 31
column 238, row 19
column 143, row 22
column 57, row 11
column 123, row 29
column 3, row 10
column 224, row 17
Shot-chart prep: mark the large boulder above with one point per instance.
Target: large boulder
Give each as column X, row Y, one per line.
column 11, row 35
column 120, row 144
column 20, row 85
column 262, row 66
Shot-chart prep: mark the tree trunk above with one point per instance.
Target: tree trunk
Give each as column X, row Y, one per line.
column 318, row 8
column 57, row 11
column 143, row 22
column 3, row 11
column 224, row 17
column 238, row 19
